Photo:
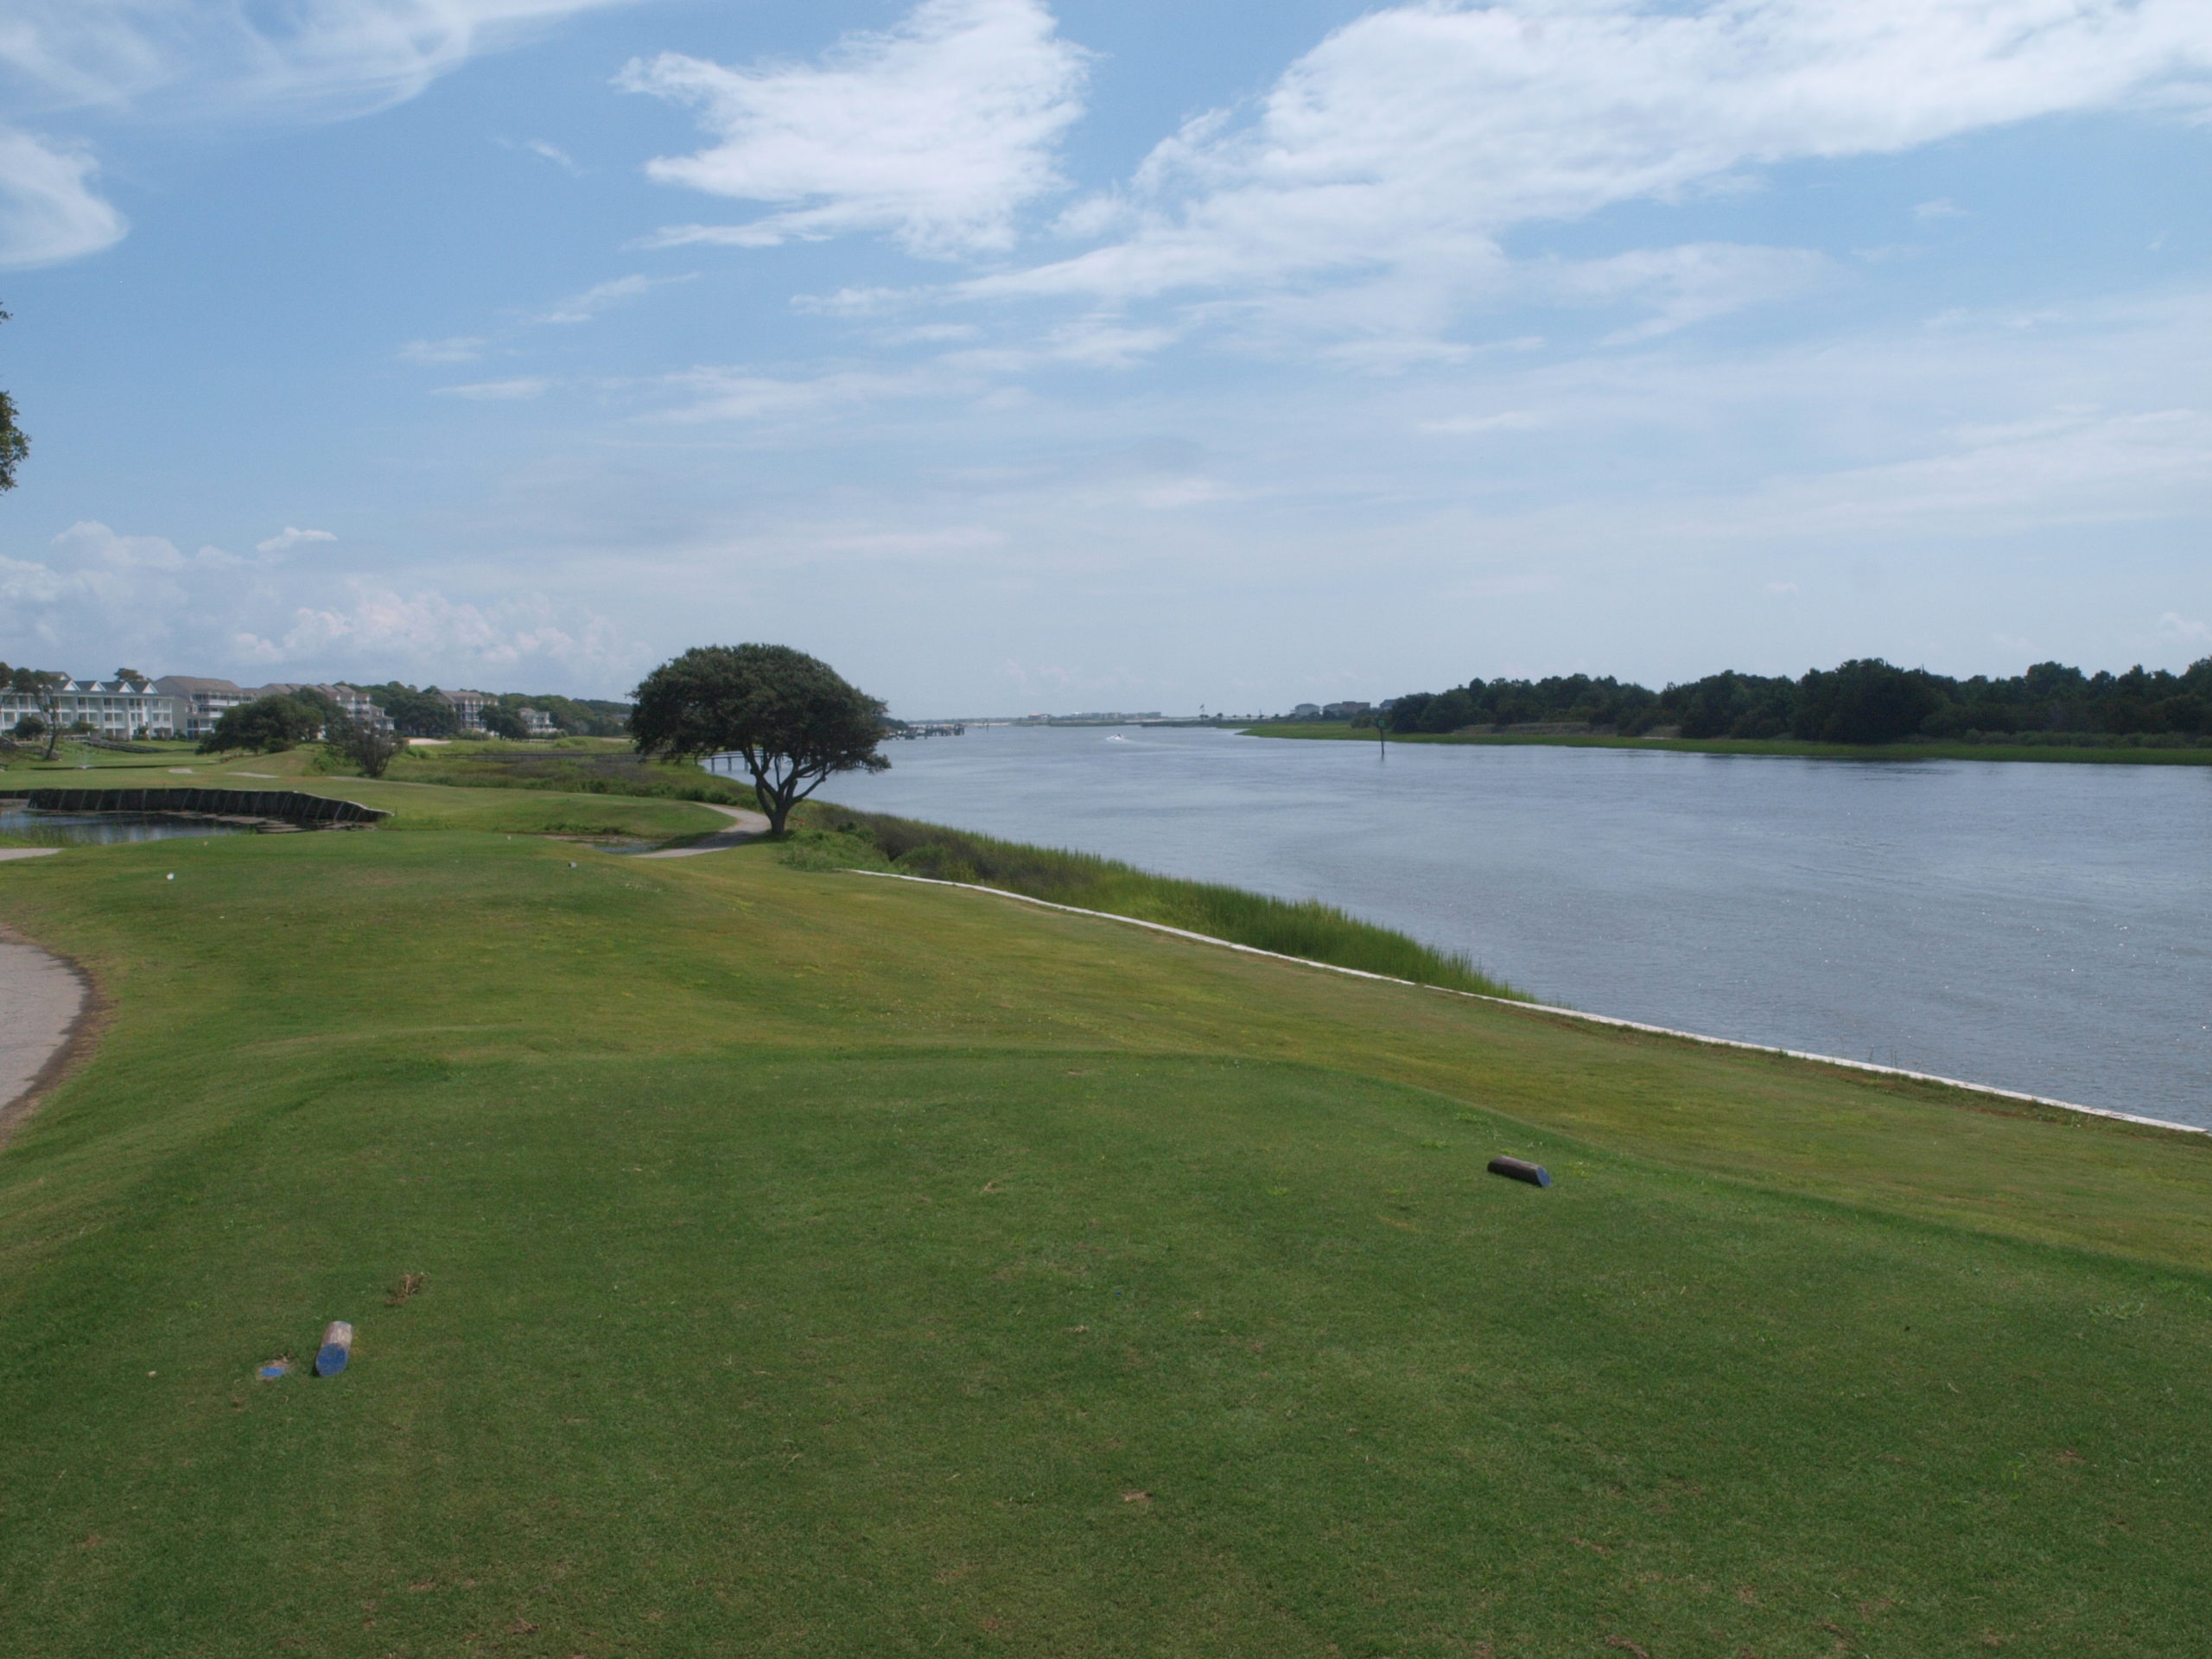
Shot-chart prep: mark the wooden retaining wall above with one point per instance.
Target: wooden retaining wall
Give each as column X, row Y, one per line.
column 288, row 804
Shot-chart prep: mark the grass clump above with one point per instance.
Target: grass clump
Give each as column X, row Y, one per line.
column 835, row 838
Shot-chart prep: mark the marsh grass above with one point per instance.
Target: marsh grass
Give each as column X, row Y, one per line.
column 832, row 837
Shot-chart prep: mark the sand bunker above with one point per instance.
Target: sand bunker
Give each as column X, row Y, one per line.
column 42, row 1000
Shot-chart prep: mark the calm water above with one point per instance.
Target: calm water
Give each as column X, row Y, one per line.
column 2047, row 928
column 100, row 828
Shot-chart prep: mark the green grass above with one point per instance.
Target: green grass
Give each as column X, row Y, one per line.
column 826, row 1266
column 570, row 765
column 829, row 837
column 414, row 805
column 1915, row 750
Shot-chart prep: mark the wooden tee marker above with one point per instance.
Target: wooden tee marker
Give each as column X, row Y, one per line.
column 1520, row 1169
column 337, row 1348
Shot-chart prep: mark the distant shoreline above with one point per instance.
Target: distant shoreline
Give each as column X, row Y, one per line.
column 2117, row 754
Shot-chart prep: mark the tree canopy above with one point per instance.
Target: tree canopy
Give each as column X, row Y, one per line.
column 1864, row 700
column 43, row 687
column 267, row 724
column 15, row 442
column 367, row 744
column 791, row 718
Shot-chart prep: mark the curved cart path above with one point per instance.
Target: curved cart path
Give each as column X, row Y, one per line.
column 744, row 826
column 43, row 1005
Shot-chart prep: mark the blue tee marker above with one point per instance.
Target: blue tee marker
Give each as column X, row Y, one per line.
column 337, row 1348
column 1520, row 1169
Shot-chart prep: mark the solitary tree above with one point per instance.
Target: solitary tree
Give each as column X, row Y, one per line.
column 44, row 689
column 791, row 717
column 367, row 744
column 15, row 442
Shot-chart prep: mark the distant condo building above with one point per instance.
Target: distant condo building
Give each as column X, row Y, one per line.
column 175, row 705
column 111, row 708
column 198, row 703
column 468, row 708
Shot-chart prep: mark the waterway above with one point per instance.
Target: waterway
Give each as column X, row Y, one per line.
column 2040, row 927
column 102, row 829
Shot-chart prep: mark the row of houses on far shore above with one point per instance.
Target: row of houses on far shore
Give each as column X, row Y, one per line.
column 186, row 705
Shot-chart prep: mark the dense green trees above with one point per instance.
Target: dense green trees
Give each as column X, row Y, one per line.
column 791, row 718
column 267, row 724
column 1863, row 701
column 415, row 714
column 503, row 723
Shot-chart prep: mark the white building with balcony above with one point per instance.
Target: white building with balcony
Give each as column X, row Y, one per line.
column 199, row 702
column 120, row 709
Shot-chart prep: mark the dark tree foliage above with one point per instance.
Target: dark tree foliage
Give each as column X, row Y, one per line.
column 415, row 714
column 15, row 442
column 503, row 723
column 1864, row 700
column 575, row 717
column 267, row 724
column 43, row 687
column 1568, row 699
column 790, row 717
column 369, row 747
column 327, row 711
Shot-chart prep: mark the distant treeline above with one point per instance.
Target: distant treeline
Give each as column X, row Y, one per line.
column 424, row 714
column 1866, row 701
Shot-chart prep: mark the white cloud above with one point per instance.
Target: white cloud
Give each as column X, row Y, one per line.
column 320, row 57
column 380, row 626
column 291, row 538
column 582, row 307
column 1941, row 208
column 1511, row 420
column 2187, row 630
column 1402, row 150
column 514, row 391
column 461, row 348
column 553, row 153
column 313, row 59
column 937, row 131
column 48, row 209
column 90, row 544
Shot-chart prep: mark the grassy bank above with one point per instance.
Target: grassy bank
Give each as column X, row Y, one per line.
column 829, row 837
column 413, row 806
column 820, row 1266
column 2112, row 755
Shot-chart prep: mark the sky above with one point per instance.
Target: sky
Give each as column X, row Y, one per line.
column 1105, row 354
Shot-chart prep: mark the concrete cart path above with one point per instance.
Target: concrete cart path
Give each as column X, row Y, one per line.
column 41, row 999
column 744, row 826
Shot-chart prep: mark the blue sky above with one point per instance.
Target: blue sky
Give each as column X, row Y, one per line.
column 1019, row 356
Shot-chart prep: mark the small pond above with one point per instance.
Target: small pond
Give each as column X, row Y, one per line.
column 19, row 823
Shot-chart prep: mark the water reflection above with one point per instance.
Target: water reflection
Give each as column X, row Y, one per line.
column 102, row 828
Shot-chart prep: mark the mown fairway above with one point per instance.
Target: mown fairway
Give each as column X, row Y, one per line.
column 822, row 1265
